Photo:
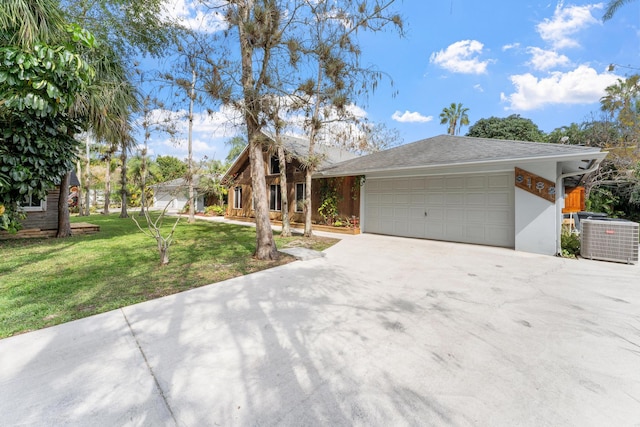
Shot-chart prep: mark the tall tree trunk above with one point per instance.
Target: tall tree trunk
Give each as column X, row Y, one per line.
column 64, row 226
column 265, row 245
column 107, row 185
column 192, row 95
column 80, row 203
column 284, row 190
column 308, row 231
column 123, row 183
column 143, row 180
column 311, row 164
column 87, row 183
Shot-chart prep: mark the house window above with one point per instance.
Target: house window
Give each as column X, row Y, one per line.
column 274, row 198
column 300, row 196
column 32, row 204
column 274, row 165
column 237, row 198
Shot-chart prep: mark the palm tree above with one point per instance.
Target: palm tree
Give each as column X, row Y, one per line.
column 612, row 8
column 455, row 116
column 623, row 98
column 30, row 21
column 107, row 107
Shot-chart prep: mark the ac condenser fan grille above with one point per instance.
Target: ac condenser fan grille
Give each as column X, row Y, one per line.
column 609, row 240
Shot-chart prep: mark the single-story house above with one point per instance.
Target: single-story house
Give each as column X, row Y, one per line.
column 175, row 193
column 238, row 179
column 452, row 188
column 43, row 214
column 470, row 190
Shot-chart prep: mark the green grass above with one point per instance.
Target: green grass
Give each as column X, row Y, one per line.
column 45, row 282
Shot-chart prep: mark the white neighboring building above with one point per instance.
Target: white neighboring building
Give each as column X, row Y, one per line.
column 175, row 193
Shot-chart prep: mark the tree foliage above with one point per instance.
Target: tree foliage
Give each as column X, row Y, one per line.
column 513, row 127
column 169, row 168
column 236, row 145
column 39, row 83
column 129, row 27
column 612, row 8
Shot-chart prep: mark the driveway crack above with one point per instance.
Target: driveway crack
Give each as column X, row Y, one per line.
column 153, row 375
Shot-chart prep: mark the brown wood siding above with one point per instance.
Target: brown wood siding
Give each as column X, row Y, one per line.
column 348, row 206
column 47, row 219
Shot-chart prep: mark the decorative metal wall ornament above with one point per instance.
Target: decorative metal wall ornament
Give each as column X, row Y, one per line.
column 535, row 184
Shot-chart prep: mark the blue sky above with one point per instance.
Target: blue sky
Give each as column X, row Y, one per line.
column 547, row 61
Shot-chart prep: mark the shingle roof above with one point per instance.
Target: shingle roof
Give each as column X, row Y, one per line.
column 447, row 150
column 181, row 182
column 299, row 149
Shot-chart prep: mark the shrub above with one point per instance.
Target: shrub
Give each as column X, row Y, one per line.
column 570, row 243
column 215, row 210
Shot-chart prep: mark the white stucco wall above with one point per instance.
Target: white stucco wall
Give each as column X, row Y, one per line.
column 175, row 201
column 535, row 217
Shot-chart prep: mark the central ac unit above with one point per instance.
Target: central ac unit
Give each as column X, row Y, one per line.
column 609, row 240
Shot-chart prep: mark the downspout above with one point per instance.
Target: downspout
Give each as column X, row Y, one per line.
column 595, row 164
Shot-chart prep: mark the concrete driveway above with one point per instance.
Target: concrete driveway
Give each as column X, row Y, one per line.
column 382, row 331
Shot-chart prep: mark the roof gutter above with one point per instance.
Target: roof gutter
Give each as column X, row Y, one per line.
column 327, row 173
column 595, row 164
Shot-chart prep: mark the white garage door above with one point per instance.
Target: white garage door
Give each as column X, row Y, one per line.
column 465, row 208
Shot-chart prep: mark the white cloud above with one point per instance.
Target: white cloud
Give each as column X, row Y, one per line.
column 221, row 123
column 195, row 16
column 461, row 57
column 409, row 117
column 546, row 59
column 209, row 132
column 510, row 46
column 581, row 86
column 478, row 87
column 565, row 23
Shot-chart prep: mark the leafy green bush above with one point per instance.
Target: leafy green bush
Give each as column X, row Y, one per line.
column 215, row 210
column 570, row 243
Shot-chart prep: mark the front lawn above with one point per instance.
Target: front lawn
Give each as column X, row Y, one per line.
column 45, row 282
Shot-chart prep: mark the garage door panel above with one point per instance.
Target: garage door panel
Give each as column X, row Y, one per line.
column 476, row 182
column 475, row 216
column 400, row 184
column 417, row 199
column 386, row 211
column 475, row 234
column 418, row 184
column 435, row 183
column 416, row 229
column 499, row 236
column 499, row 199
column 466, row 208
column 434, row 214
column 417, row 214
column 436, row 199
column 401, row 212
column 401, row 228
column 386, row 185
column 498, row 217
column 373, row 199
column 454, row 232
column 478, row 199
column 386, row 199
column 401, row 198
column 454, row 199
column 455, row 214
column 454, row 183
column 501, row 181
column 435, row 230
